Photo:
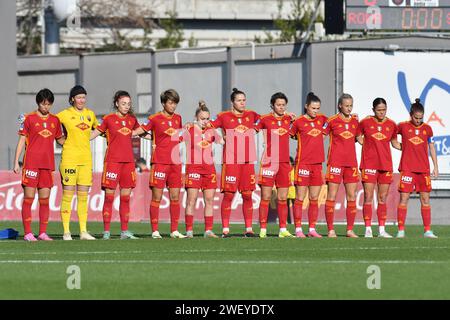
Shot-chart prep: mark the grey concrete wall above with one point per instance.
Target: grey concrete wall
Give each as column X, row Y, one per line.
column 8, row 82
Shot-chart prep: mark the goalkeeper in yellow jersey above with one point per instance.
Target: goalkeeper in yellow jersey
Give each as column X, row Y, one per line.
column 76, row 161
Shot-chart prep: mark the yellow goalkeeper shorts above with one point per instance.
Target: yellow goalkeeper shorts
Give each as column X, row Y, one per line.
column 72, row 175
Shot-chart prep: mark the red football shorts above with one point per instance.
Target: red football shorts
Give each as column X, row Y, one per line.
column 308, row 175
column 122, row 173
column 410, row 181
column 37, row 178
column 275, row 174
column 162, row 175
column 238, row 177
column 376, row 176
column 197, row 180
column 339, row 174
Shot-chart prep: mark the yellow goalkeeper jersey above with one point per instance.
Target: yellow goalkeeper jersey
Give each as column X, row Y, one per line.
column 77, row 127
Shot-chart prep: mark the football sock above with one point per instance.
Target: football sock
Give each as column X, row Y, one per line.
column 282, row 213
column 82, row 209
column 66, row 209
column 226, row 209
column 209, row 221
column 313, row 212
column 189, row 221
column 124, row 212
column 247, row 207
column 263, row 213
column 367, row 214
column 351, row 214
column 26, row 214
column 401, row 216
column 381, row 213
column 154, row 214
column 329, row 213
column 174, row 215
column 426, row 217
column 298, row 208
column 107, row 211
column 44, row 212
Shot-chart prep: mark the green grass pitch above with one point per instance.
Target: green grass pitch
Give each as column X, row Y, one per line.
column 234, row 268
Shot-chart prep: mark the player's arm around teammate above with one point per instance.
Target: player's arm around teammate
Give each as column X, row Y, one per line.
column 275, row 166
column 239, row 155
column 342, row 165
column 165, row 128
column 308, row 131
column 200, row 170
column 76, row 160
column 37, row 132
column 417, row 143
column 118, row 166
column 377, row 132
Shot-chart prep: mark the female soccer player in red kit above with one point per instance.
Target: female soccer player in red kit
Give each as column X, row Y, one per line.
column 376, row 133
column 417, row 142
column 37, row 132
column 165, row 128
column 200, row 170
column 239, row 155
column 342, row 165
column 119, row 161
column 275, row 167
column 308, row 130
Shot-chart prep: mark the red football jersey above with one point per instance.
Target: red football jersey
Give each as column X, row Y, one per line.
column 239, row 133
column 40, row 132
column 166, row 136
column 277, row 137
column 376, row 150
column 118, row 131
column 309, row 133
column 415, row 147
column 199, row 149
column 342, row 152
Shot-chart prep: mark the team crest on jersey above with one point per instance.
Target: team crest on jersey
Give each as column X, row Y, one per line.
column 280, row 131
column 89, row 118
column 37, row 124
column 203, row 144
column 124, row 130
column 346, row 134
column 52, row 125
column 171, row 131
column 83, row 126
column 416, row 140
column 379, row 136
column 45, row 133
column 424, row 132
column 241, row 128
column 314, row 132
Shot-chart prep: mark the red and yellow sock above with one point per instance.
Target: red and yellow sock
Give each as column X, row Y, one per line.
column 26, row 214
column 107, row 211
column 426, row 217
column 313, row 213
column 174, row 215
column 401, row 216
column 298, row 210
column 381, row 213
column 351, row 214
column 263, row 213
column 329, row 213
column 154, row 214
column 189, row 220
column 282, row 213
column 367, row 214
column 124, row 212
column 44, row 212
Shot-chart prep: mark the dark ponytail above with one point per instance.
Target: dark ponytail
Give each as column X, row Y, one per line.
column 278, row 95
column 378, row 101
column 235, row 93
column 120, row 94
column 310, row 98
column 416, row 107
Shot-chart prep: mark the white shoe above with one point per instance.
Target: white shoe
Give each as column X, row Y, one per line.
column 430, row 234
column 401, row 234
column 176, row 235
column 86, row 236
column 368, row 233
column 384, row 234
column 67, row 236
column 189, row 234
column 156, row 235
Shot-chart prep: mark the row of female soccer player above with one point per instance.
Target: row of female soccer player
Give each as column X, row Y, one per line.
column 239, row 125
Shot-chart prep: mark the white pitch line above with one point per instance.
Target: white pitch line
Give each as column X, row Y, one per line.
column 159, row 262
column 222, row 250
